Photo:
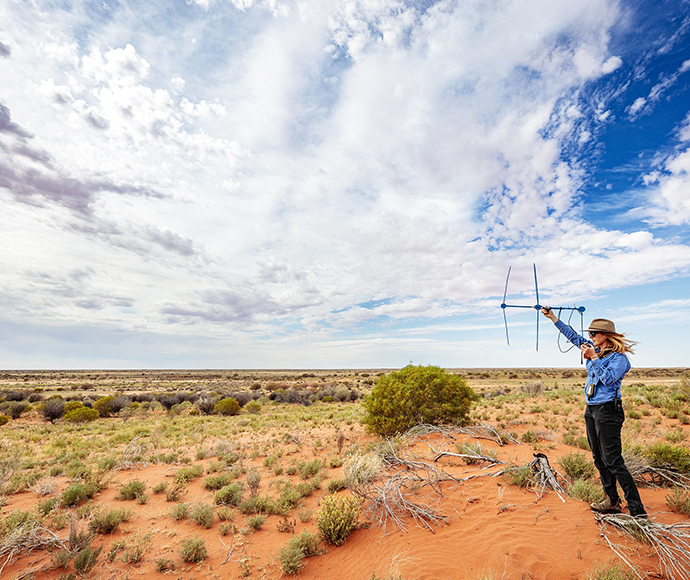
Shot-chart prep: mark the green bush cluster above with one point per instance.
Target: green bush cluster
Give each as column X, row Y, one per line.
column 107, row 521
column 417, row 394
column 229, row 495
column 77, row 493
column 227, row 406
column 131, row 490
column 193, row 550
column 577, row 466
column 304, row 545
column 81, row 414
column 337, row 518
column 4, row 419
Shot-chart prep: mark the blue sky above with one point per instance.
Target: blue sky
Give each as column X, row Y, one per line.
column 339, row 183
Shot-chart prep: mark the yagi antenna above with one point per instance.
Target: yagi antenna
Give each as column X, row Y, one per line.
column 536, row 307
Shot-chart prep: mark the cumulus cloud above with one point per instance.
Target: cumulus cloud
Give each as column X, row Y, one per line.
column 321, row 165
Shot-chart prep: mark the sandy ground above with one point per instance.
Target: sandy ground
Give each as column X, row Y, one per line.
column 493, row 530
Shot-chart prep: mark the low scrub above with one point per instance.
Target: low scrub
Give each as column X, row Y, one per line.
column 577, row 466
column 304, row 545
column 193, row 550
column 338, row 518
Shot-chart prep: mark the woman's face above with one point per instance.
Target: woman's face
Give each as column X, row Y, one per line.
column 598, row 339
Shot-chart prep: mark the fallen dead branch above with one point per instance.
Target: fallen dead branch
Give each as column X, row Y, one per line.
column 547, row 475
column 128, row 455
column 645, row 474
column 389, row 478
column 26, row 538
column 670, row 542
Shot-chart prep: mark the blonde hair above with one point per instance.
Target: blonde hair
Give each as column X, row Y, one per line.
column 619, row 343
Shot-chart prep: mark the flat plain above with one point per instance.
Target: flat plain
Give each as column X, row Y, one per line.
column 164, row 484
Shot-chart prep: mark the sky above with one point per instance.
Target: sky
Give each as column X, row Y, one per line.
column 340, row 183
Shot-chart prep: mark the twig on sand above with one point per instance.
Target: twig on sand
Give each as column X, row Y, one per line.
column 670, row 542
column 230, row 548
column 131, row 451
column 25, row 539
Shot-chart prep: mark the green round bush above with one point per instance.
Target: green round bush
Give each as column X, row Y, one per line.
column 227, row 407
column 4, row 419
column 417, row 394
column 81, row 415
column 104, row 406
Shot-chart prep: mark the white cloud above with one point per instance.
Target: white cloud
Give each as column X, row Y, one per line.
column 333, row 153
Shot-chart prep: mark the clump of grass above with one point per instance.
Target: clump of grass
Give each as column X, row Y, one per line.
column 679, row 501
column 77, row 493
column 302, row 546
column 335, row 485
column 187, row 474
column 179, row 512
column 160, row 487
column 520, row 475
column 138, row 546
column 611, row 571
column 229, row 495
column 202, row 514
column 338, row 518
column 310, row 468
column 86, row 559
column 577, row 466
column 254, row 481
column 193, row 550
column 216, row 482
column 585, row 490
column 107, row 521
column 165, row 565
column 176, row 492
column 131, row 490
column 256, row 522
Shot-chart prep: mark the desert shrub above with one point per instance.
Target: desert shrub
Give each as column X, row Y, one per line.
column 361, row 468
column 4, row 419
column 176, row 491
column 86, row 559
column 106, row 463
column 104, row 406
column 299, row 547
column 215, row 482
column 131, row 490
column 61, row 558
column 77, row 493
column 193, row 550
column 679, row 501
column 667, row 456
column 585, row 490
column 160, row 487
column 45, row 506
column 254, row 481
column 139, row 544
column 577, row 466
column 310, row 468
column 202, row 514
column 81, row 415
column 227, row 407
column 255, row 522
column 335, row 485
column 205, row 405
column 179, row 512
column 229, row 495
column 164, row 565
column 53, row 408
column 14, row 520
column 105, row 522
column 17, row 408
column 337, row 518
column 417, row 394
column 259, row 504
column 187, row 474
column 252, row 407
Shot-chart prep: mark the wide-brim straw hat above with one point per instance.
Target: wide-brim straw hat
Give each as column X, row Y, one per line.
column 603, row 325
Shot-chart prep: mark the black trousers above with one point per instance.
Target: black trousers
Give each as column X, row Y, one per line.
column 604, row 424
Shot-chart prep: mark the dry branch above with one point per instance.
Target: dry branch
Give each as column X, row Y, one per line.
column 671, row 542
column 547, row 476
column 25, row 539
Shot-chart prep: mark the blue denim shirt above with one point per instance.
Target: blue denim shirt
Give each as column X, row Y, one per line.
column 606, row 373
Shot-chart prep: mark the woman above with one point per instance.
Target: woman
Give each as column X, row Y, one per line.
column 607, row 364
